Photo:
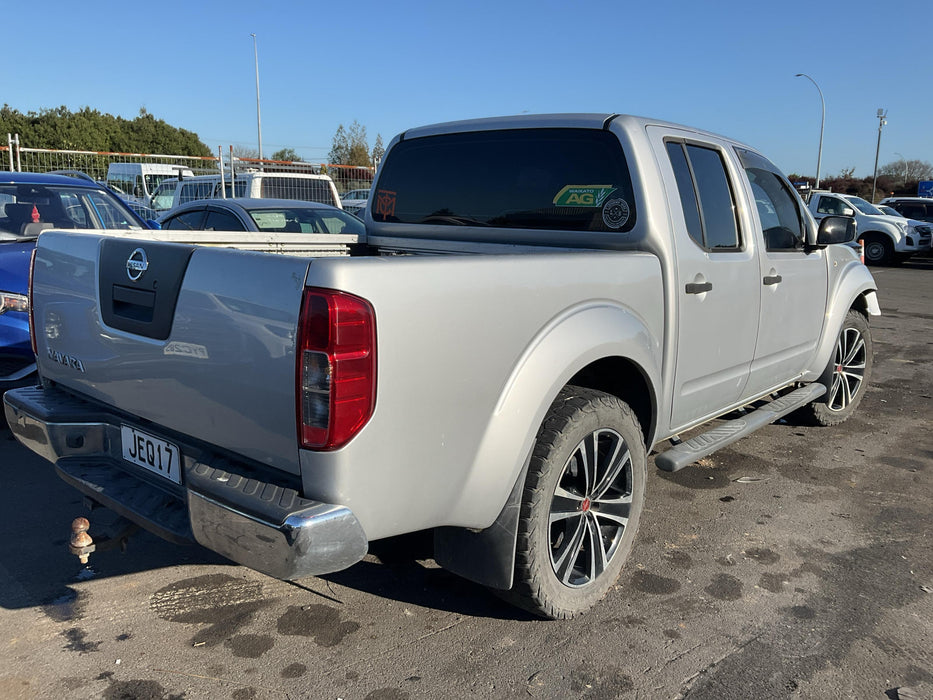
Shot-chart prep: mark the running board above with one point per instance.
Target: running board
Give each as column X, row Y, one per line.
column 695, row 448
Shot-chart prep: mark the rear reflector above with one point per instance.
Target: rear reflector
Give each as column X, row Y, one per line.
column 336, row 368
column 32, row 309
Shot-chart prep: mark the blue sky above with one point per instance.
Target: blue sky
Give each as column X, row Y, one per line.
column 723, row 66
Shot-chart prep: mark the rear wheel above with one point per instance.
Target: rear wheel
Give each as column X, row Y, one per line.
column 878, row 249
column 581, row 503
column 847, row 375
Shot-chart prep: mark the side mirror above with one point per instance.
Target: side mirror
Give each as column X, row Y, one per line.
column 153, row 224
column 836, row 229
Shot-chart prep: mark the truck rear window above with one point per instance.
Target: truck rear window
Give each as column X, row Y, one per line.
column 562, row 179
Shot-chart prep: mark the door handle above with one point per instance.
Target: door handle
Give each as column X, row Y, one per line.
column 698, row 288
column 772, row 279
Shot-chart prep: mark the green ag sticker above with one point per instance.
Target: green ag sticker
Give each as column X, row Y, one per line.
column 583, row 195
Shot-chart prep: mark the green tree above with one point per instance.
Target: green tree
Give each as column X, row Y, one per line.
column 378, row 150
column 359, row 148
column 286, row 154
column 91, row 130
column 340, row 148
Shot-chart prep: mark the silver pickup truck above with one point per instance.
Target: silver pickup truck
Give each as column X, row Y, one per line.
column 537, row 302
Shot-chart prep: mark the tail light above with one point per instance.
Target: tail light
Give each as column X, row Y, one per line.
column 336, row 368
column 32, row 307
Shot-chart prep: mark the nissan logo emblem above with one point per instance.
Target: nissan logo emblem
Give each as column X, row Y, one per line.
column 137, row 264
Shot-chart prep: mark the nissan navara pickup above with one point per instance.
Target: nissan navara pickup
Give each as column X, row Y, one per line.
column 536, row 303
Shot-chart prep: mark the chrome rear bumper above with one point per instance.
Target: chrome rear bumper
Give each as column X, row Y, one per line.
column 265, row 526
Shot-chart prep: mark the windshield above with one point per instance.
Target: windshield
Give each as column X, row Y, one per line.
column 864, row 206
column 26, row 209
column 153, row 181
column 300, row 220
column 891, row 211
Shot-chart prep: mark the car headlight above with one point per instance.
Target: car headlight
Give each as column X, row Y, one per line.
column 13, row 302
column 902, row 225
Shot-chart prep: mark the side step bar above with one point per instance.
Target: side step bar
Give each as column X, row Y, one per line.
column 695, row 448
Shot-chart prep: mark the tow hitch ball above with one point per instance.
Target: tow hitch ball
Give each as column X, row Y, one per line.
column 82, row 544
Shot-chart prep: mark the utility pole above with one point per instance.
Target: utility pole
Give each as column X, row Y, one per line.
column 258, row 116
column 882, row 120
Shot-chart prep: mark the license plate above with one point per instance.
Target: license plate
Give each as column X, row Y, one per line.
column 149, row 452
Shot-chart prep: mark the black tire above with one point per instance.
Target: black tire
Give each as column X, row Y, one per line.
column 878, row 249
column 588, row 468
column 847, row 375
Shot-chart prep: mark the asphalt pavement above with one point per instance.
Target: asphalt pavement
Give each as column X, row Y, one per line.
column 796, row 563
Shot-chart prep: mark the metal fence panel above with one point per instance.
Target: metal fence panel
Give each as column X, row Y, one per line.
column 95, row 164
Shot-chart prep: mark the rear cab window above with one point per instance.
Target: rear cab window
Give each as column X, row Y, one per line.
column 546, row 179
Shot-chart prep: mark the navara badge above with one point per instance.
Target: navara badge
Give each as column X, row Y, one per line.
column 137, row 264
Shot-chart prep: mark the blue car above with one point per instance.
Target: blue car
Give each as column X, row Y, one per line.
column 29, row 204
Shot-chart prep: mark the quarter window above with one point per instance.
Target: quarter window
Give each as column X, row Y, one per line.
column 705, row 196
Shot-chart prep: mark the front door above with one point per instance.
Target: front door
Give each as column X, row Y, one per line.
column 793, row 281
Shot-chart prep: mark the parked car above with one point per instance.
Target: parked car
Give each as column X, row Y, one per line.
column 355, row 201
column 888, row 239
column 307, row 187
column 279, row 215
column 921, row 226
column 912, row 207
column 29, row 204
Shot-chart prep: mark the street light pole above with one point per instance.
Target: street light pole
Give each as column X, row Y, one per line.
column 258, row 115
column 819, row 153
column 881, row 122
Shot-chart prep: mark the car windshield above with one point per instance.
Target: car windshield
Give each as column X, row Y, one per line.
column 28, row 209
column 864, row 206
column 306, row 220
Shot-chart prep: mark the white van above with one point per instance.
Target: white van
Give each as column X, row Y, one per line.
column 304, row 186
column 136, row 182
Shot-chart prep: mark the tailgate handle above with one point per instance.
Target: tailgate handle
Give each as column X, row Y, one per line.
column 135, row 304
column 698, row 288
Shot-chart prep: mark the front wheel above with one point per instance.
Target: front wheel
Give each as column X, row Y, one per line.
column 878, row 249
column 847, row 375
column 581, row 503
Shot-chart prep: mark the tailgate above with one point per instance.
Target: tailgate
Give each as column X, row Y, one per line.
column 197, row 340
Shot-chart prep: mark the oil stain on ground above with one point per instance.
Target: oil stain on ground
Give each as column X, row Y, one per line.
column 225, row 603
column 319, row 622
column 654, row 584
column 725, row 587
column 77, row 641
column 138, row 690
column 250, row 646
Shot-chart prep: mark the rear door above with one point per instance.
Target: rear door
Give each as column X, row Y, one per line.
column 717, row 279
column 793, row 281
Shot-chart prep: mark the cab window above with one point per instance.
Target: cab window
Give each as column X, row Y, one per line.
column 778, row 210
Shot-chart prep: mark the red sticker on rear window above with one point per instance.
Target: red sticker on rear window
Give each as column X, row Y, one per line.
column 385, row 204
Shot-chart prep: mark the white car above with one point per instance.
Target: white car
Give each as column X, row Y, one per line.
column 921, row 226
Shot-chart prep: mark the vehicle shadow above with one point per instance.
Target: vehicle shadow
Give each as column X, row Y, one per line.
column 37, row 569
column 402, row 569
